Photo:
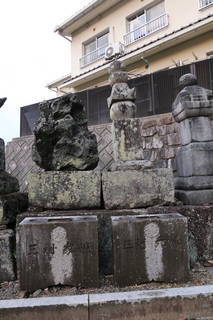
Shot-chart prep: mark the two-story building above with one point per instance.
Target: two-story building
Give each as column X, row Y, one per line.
column 148, row 35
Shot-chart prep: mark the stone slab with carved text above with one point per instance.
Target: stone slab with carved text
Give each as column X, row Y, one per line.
column 58, row 250
column 155, row 247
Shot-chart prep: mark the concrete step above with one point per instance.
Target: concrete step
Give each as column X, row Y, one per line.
column 164, row 304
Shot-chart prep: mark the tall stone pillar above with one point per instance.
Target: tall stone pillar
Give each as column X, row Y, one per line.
column 194, row 159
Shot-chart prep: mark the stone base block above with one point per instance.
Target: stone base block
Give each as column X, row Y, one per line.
column 150, row 248
column 195, row 197
column 58, row 250
column 65, row 190
column 194, row 183
column 137, row 188
column 7, row 245
column 195, row 159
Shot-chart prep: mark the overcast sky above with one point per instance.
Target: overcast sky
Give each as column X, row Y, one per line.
column 31, row 54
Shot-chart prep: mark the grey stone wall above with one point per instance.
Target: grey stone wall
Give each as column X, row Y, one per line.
column 160, row 140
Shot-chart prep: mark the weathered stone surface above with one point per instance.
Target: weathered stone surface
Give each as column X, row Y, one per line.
column 200, row 227
column 192, row 100
column 196, row 129
column 195, row 197
column 7, row 247
column 12, row 205
column 194, row 183
column 65, row 190
column 131, row 165
column 58, row 250
column 62, row 139
column 121, row 101
column 2, row 155
column 127, row 140
column 136, row 188
column 195, row 159
column 8, row 184
column 155, row 247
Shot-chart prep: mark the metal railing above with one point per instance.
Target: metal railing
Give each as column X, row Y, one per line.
column 205, row 3
column 92, row 56
column 146, row 29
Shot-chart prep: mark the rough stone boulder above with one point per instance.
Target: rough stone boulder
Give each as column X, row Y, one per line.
column 62, row 139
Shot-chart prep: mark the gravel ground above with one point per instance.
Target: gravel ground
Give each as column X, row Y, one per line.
column 198, row 276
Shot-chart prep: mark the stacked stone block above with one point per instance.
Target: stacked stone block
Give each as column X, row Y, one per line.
column 191, row 109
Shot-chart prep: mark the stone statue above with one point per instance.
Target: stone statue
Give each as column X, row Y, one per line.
column 121, row 101
column 62, row 139
column 191, row 109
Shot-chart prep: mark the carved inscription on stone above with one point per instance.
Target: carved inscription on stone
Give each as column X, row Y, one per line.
column 58, row 250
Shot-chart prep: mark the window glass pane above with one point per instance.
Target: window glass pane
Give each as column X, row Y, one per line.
column 90, row 47
column 102, row 41
column 155, row 11
column 136, row 22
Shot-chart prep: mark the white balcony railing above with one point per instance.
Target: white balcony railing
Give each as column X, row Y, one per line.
column 93, row 56
column 146, row 29
column 205, row 3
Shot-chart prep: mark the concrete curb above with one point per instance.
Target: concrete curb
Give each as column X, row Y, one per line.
column 166, row 304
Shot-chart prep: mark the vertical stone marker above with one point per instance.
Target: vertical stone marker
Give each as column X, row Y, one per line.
column 150, row 248
column 58, row 250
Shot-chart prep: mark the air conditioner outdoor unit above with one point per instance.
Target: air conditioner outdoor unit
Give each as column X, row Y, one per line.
column 114, row 50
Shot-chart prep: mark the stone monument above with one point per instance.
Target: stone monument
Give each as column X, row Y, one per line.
column 194, row 159
column 131, row 181
column 58, row 250
column 67, row 151
column 150, row 248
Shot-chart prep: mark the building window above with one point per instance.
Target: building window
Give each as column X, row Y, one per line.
column 94, row 49
column 145, row 22
column 205, row 3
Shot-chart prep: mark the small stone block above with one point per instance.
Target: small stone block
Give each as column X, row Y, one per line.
column 195, row 197
column 150, row 248
column 195, row 159
column 6, row 259
column 58, row 250
column 137, row 188
column 65, row 190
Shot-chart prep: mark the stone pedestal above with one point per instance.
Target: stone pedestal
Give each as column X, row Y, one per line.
column 65, row 190
column 7, row 246
column 150, row 248
column 58, row 250
column 194, row 159
column 137, row 188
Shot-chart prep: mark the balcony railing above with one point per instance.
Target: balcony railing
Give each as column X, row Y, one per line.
column 146, row 29
column 205, row 3
column 92, row 56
